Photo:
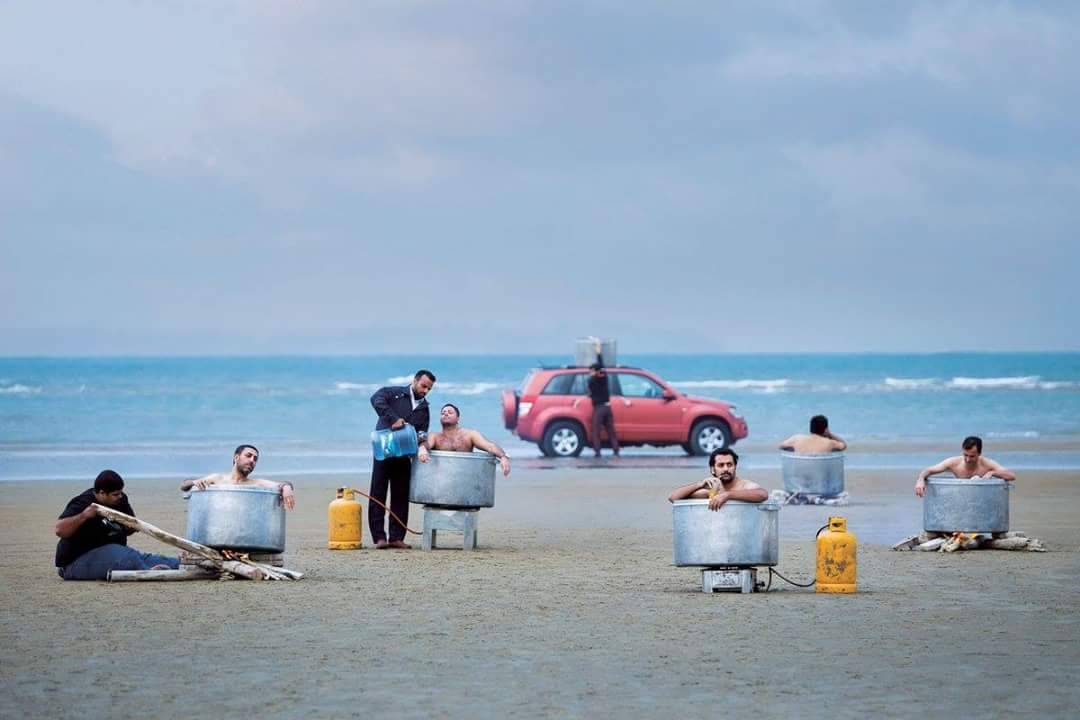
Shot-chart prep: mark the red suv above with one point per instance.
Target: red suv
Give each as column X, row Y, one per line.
column 553, row 410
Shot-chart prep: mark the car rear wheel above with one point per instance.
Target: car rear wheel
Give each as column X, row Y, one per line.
column 563, row 439
column 709, row 435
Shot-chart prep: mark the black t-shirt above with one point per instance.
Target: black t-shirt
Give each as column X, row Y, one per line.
column 93, row 533
column 599, row 390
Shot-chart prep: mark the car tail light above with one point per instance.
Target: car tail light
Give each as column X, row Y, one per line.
column 524, row 408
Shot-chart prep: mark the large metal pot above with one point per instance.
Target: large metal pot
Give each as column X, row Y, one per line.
column 585, row 352
column 232, row 517
column 738, row 534
column 454, row 480
column 956, row 505
column 813, row 474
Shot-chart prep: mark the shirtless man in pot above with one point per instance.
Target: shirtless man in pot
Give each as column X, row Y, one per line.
column 965, row 467
column 244, row 459
column 454, row 438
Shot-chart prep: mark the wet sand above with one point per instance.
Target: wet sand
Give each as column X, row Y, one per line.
column 570, row 608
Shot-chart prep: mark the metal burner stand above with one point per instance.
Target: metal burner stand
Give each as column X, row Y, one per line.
column 462, row 520
column 729, row 579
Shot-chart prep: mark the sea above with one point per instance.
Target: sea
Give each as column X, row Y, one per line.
column 69, row 418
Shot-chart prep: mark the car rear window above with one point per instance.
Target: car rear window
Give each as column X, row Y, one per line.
column 566, row 384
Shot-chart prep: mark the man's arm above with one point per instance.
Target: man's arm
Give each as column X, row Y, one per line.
column 285, row 488
column 486, row 445
column 68, row 526
column 200, row 483
column 920, row 484
column 755, row 494
column 838, row 442
column 699, row 489
column 429, row 442
column 1000, row 471
column 381, row 402
column 788, row 444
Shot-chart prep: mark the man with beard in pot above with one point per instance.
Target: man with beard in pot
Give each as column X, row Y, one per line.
column 455, row 438
column 244, row 459
column 723, row 484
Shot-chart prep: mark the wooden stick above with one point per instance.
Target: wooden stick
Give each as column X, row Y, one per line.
column 156, row 532
column 242, row 568
column 158, row 575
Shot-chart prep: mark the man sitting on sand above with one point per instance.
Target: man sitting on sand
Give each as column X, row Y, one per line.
column 244, row 459
column 455, row 438
column 90, row 546
column 820, row 441
column 723, row 484
column 968, row 466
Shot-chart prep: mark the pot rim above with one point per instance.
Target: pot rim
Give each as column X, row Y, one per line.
column 996, row 482
column 768, row 505
column 236, row 488
column 462, row 455
column 797, row 456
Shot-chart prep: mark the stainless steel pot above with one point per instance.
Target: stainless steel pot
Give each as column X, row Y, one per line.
column 233, row 517
column 739, row 533
column 813, row 474
column 454, row 480
column 955, row 505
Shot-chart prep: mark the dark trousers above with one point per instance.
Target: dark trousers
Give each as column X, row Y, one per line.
column 392, row 474
column 602, row 417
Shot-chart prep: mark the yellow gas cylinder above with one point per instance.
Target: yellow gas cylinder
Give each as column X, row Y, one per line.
column 836, row 558
column 346, row 521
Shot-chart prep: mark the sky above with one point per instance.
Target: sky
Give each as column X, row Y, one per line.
column 472, row 177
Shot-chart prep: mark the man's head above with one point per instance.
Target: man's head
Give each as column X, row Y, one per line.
column 108, row 488
column 597, row 370
column 818, row 425
column 244, row 459
column 722, row 464
column 422, row 383
column 972, row 449
column 449, row 416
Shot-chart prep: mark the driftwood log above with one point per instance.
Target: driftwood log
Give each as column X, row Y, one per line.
column 192, row 573
column 952, row 542
column 211, row 558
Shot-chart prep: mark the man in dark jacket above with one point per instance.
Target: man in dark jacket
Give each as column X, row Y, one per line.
column 395, row 407
column 90, row 546
column 600, row 394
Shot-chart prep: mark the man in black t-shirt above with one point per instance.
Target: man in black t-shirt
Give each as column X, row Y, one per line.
column 90, row 546
column 600, row 394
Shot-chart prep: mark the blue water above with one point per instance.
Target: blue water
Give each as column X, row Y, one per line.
column 70, row 417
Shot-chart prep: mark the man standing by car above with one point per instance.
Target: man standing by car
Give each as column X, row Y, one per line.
column 600, row 393
column 395, row 407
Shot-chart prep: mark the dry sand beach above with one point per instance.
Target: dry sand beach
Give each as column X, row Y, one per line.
column 570, row 608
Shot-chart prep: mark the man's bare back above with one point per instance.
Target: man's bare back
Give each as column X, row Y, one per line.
column 812, row 445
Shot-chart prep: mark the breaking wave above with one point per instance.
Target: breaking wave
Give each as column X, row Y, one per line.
column 887, row 384
column 18, row 389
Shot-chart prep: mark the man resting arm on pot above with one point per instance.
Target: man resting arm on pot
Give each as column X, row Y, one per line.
column 723, row 483
column 244, row 460
column 455, row 438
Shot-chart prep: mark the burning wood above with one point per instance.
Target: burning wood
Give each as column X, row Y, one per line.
column 233, row 563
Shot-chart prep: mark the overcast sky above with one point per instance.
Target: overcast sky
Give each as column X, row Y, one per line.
column 379, row 177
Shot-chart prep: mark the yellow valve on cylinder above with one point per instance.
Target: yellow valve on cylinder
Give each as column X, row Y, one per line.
column 346, row 521
column 836, row 558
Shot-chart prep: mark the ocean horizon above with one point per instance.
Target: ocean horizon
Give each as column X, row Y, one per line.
column 166, row 416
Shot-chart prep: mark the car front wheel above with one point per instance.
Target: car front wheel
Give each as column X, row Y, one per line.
column 563, row 439
column 709, row 435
